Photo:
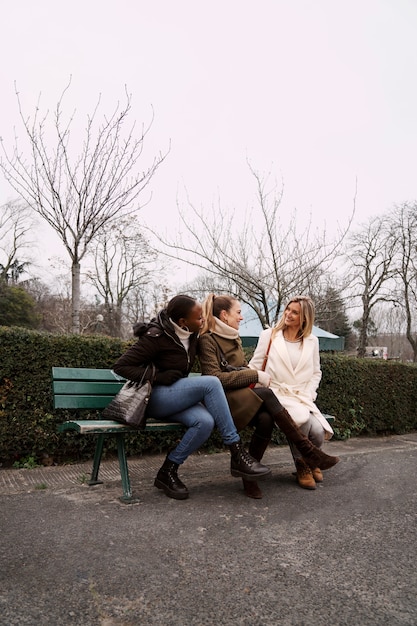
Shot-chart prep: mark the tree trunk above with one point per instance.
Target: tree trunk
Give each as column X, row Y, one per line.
column 76, row 290
column 118, row 320
column 363, row 336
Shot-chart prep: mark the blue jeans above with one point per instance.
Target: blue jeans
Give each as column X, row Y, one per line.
column 199, row 403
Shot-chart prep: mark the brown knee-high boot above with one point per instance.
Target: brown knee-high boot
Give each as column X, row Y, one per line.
column 312, row 455
column 257, row 448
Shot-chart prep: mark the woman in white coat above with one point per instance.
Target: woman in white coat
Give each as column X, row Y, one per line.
column 293, row 363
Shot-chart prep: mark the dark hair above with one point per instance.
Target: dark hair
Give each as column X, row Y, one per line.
column 180, row 306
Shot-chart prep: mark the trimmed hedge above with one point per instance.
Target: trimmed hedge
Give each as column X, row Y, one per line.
column 27, row 420
column 366, row 396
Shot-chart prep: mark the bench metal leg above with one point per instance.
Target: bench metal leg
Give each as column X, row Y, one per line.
column 96, row 463
column 124, row 471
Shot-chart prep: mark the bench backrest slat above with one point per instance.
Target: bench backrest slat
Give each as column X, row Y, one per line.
column 84, row 388
column 84, row 373
column 81, row 402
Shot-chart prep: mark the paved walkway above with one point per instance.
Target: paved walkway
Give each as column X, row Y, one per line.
column 142, row 469
column 341, row 555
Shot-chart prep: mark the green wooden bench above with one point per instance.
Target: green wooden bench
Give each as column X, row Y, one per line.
column 85, row 388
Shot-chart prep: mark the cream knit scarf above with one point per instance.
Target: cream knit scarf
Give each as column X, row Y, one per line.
column 182, row 334
column 225, row 331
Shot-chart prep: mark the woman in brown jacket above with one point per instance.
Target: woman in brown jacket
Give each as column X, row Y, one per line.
column 251, row 401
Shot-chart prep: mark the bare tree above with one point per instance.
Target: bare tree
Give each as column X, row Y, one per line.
column 370, row 253
column 390, row 321
column 53, row 303
column 256, row 257
column 331, row 312
column 78, row 196
column 404, row 222
column 53, row 307
column 143, row 304
column 123, row 263
column 16, row 226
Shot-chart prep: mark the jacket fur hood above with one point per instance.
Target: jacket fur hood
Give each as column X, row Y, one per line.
column 155, row 327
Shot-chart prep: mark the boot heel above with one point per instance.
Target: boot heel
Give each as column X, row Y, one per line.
column 251, row 489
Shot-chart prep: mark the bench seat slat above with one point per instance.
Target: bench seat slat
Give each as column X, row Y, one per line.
column 84, row 427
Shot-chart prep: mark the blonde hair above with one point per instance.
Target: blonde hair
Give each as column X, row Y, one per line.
column 307, row 314
column 212, row 307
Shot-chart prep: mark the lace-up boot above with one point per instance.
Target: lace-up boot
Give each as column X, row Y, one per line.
column 243, row 465
column 167, row 479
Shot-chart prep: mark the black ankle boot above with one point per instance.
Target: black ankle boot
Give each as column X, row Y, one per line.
column 245, row 466
column 167, row 479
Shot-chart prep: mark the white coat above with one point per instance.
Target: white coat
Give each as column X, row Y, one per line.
column 296, row 389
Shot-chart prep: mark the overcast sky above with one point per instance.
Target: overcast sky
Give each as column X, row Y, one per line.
column 319, row 92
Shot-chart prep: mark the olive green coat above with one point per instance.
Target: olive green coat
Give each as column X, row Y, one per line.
column 243, row 402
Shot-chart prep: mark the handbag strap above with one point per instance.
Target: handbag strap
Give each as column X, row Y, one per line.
column 264, row 362
column 152, row 376
column 223, row 361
